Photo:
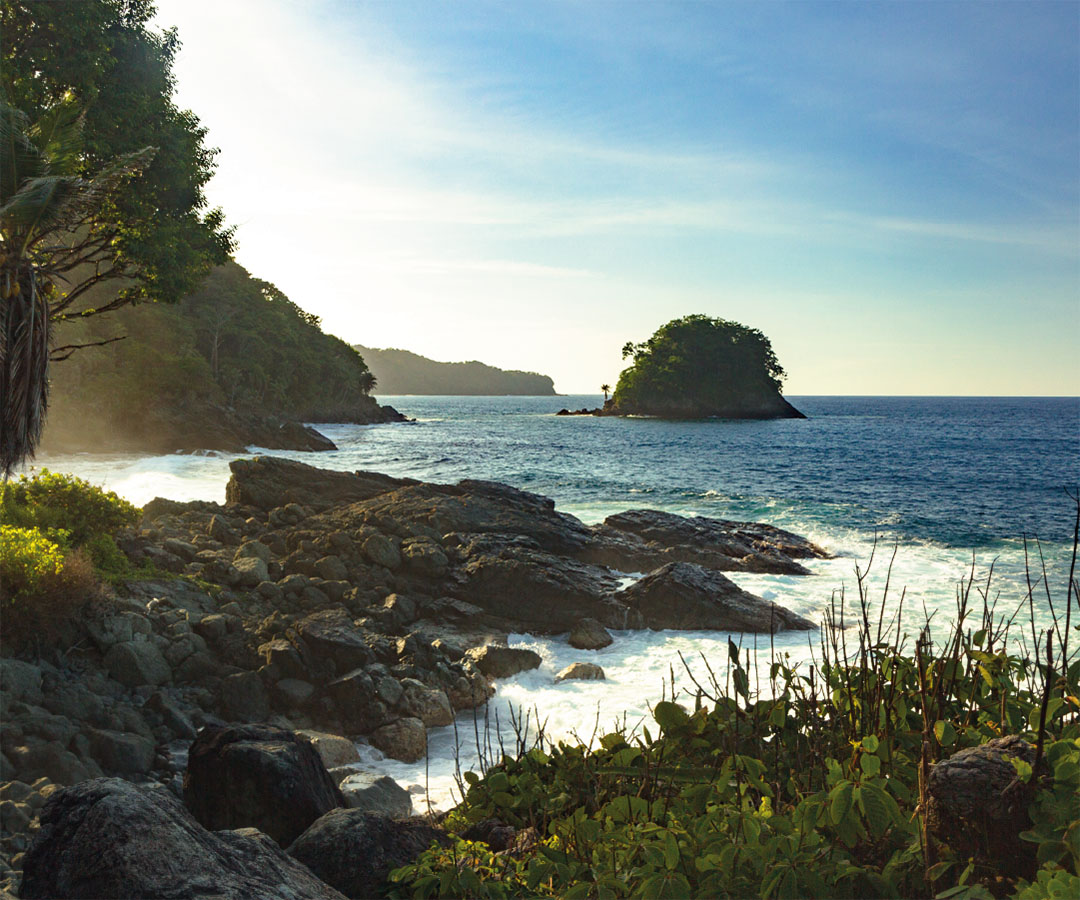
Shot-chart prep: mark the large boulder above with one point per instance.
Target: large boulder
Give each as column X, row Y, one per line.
column 355, row 698
column 405, row 739
column 257, row 776
column 978, row 807
column 137, row 663
column 354, row 851
column 525, row 588
column 109, row 838
column 503, row 662
column 690, row 597
column 267, row 482
column 331, row 634
column 376, row 794
column 429, row 705
column 117, row 751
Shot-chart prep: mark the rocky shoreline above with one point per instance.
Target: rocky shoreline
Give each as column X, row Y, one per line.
column 315, row 608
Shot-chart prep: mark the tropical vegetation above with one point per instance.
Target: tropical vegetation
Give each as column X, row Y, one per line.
column 85, row 106
column 793, row 781
column 237, row 343
column 700, row 366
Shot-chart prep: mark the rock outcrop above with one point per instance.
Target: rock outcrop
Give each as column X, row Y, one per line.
column 109, row 838
column 689, row 597
column 257, row 776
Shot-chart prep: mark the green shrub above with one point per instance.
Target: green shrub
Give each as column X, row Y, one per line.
column 809, row 789
column 56, row 503
column 42, row 586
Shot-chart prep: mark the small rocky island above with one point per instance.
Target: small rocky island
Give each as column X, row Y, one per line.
column 699, row 367
column 313, row 609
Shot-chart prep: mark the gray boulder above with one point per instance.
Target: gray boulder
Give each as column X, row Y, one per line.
column 137, row 663
column 109, row 838
column 382, row 551
column 253, row 571
column 429, row 705
column 689, row 597
column 267, row 482
column 333, row 749
column 376, row 794
column 257, row 776
column 354, row 851
column 243, row 698
column 120, row 752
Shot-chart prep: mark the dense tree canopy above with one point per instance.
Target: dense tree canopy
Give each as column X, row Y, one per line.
column 236, row 344
column 101, row 56
column 701, row 366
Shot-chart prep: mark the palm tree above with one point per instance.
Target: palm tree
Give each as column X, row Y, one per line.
column 54, row 229
column 606, row 388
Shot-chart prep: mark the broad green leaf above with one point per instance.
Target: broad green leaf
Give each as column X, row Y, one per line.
column 669, row 716
column 840, row 802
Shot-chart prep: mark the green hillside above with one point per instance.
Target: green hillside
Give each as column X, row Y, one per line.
column 402, row 372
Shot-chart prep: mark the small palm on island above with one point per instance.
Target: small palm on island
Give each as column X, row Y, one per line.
column 606, row 388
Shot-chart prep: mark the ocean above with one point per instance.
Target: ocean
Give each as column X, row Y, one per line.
column 941, row 488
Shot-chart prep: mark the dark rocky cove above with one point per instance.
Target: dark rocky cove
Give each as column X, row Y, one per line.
column 312, row 609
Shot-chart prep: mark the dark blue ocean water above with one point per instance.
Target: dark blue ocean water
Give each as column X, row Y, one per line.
column 965, row 471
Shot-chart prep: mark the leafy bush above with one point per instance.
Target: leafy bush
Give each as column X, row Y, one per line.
column 41, row 586
column 57, row 503
column 811, row 788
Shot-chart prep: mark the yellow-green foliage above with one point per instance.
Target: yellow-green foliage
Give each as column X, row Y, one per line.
column 28, row 560
column 57, row 503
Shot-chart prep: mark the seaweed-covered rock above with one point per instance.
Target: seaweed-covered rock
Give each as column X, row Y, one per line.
column 109, row 838
column 354, row 851
column 257, row 776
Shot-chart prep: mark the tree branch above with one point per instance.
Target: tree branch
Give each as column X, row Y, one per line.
column 71, row 348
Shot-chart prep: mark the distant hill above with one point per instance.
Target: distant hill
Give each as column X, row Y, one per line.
column 402, row 372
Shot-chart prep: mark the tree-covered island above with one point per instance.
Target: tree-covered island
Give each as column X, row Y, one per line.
column 698, row 367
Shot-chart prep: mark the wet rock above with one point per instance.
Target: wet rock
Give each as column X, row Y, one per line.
column 135, row 663
column 354, row 851
column 503, row 662
column 589, row 634
column 405, row 739
column 172, row 714
column 257, row 776
column 686, row 596
column 19, row 681
column 374, row 793
column 581, row 671
column 285, row 657
column 220, row 530
column 109, row 838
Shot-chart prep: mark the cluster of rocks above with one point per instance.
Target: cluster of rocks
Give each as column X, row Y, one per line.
column 350, row 606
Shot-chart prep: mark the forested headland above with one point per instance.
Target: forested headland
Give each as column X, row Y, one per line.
column 402, row 372
column 207, row 372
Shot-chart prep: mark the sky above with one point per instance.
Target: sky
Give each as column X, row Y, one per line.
column 889, row 191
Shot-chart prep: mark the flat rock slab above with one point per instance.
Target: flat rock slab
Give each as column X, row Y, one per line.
column 109, row 838
column 689, row 597
column 267, row 482
column 581, row 671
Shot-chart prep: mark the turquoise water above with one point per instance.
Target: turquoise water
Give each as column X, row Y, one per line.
column 944, row 488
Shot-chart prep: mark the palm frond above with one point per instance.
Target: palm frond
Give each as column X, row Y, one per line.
column 58, row 136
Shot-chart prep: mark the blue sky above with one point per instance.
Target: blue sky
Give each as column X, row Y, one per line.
column 890, row 191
